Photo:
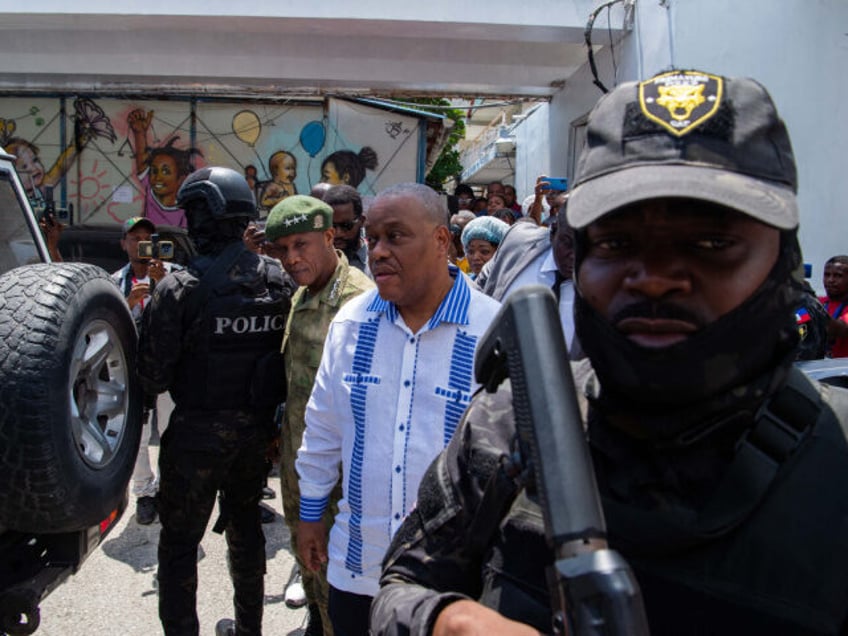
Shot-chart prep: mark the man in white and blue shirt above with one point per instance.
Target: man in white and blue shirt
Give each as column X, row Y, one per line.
column 396, row 375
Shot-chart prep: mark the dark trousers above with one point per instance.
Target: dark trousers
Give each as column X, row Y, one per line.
column 195, row 464
column 349, row 612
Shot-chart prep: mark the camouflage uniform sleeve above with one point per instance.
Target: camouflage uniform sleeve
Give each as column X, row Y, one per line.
column 437, row 555
column 161, row 334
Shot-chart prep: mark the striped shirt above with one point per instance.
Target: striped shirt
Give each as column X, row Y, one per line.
column 384, row 404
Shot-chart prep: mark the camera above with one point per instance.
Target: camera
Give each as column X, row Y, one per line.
column 154, row 248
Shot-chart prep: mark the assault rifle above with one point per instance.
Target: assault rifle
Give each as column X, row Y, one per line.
column 593, row 590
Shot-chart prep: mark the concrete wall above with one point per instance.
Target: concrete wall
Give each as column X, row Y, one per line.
column 533, row 150
column 797, row 48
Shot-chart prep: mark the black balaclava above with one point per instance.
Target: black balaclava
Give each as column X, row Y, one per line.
column 211, row 236
column 729, row 365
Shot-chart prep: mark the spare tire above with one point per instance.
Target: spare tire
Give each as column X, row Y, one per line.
column 70, row 400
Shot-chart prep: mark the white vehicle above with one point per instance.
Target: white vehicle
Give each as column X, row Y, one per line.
column 70, row 410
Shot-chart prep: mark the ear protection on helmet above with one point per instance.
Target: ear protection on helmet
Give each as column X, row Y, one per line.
column 225, row 191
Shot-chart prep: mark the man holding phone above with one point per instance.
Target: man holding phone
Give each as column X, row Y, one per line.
column 134, row 280
column 549, row 192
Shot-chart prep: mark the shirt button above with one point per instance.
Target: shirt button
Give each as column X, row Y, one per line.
column 397, row 515
column 412, row 339
column 406, row 383
column 397, row 469
column 400, row 428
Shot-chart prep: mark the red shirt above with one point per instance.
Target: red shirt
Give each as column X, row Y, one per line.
column 837, row 348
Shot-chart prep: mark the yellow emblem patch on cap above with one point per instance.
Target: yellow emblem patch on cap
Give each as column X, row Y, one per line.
column 318, row 222
column 680, row 100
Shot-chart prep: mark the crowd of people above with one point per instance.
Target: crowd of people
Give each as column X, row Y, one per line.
column 677, row 277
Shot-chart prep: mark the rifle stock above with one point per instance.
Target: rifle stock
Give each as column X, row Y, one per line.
column 593, row 590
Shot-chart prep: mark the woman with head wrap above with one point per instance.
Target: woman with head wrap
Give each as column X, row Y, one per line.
column 480, row 239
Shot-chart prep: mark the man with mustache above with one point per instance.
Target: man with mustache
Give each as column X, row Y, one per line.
column 300, row 234
column 394, row 379
column 722, row 470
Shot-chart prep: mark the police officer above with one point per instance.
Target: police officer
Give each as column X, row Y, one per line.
column 211, row 336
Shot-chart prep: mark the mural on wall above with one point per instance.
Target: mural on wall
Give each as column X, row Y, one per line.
column 89, row 123
column 112, row 158
column 160, row 170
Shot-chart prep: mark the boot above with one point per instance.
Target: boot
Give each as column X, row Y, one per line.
column 315, row 626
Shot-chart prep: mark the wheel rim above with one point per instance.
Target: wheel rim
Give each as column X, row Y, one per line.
column 99, row 393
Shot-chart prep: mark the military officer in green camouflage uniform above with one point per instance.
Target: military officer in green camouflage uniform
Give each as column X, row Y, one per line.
column 300, row 234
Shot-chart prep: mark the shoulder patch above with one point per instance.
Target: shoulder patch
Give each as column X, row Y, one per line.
column 679, row 101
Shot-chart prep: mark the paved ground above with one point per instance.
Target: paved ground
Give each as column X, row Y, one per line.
column 115, row 591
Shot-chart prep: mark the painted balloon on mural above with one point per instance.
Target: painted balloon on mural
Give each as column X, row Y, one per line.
column 312, row 137
column 246, row 126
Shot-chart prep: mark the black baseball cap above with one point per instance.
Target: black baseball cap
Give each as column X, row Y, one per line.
column 687, row 134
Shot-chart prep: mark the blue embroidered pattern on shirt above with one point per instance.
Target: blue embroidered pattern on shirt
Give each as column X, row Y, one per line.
column 458, row 392
column 359, row 380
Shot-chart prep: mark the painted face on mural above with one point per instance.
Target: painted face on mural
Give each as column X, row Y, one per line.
column 288, row 170
column 330, row 175
column 284, row 168
column 30, row 168
column 165, row 180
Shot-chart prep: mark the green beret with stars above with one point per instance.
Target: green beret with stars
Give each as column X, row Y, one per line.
column 297, row 214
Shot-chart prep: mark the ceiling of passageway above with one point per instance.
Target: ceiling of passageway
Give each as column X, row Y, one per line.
column 285, row 56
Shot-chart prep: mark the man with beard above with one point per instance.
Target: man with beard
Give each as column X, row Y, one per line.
column 722, row 470
column 347, row 222
column 211, row 336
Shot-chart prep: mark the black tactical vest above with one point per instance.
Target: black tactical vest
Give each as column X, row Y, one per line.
column 240, row 326
column 725, row 583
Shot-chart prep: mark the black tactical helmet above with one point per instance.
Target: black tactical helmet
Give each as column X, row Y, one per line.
column 225, row 191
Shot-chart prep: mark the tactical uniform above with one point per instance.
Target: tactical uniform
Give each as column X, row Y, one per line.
column 309, row 320
column 452, row 546
column 206, row 337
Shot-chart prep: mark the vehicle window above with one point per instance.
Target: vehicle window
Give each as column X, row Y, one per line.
column 17, row 245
